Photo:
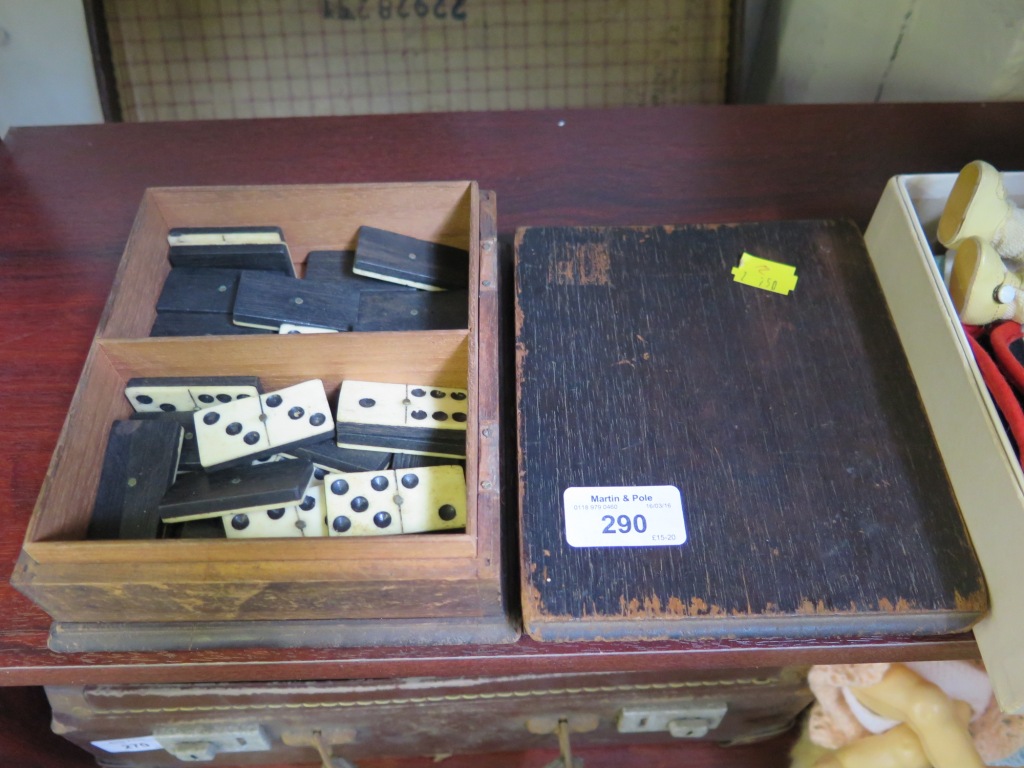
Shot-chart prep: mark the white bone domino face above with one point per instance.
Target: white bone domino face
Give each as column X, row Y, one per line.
column 402, row 405
column 296, row 413
column 305, row 519
column 150, row 399
column 432, row 498
column 362, row 504
column 230, row 431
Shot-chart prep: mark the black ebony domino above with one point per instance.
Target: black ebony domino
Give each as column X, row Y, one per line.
column 409, row 261
column 267, row 300
column 139, row 465
column 269, row 257
column 328, row 454
column 412, row 310
column 263, row 486
column 447, row 442
column 189, row 459
column 192, row 289
column 199, row 324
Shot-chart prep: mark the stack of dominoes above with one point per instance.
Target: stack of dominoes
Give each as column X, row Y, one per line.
column 219, row 456
column 241, row 280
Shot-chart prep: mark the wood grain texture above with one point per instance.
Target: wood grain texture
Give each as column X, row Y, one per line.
column 814, row 497
column 69, row 196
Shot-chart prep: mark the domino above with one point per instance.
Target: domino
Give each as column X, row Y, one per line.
column 292, row 329
column 188, row 393
column 328, row 454
column 225, row 235
column 409, row 261
column 423, row 500
column 139, row 465
column 266, row 300
column 431, row 498
column 188, row 461
column 362, row 504
column 305, row 519
column 297, row 415
column 412, row 310
column 237, row 490
column 199, row 324
column 269, row 257
column 402, row 418
column 243, row 430
column 208, row 291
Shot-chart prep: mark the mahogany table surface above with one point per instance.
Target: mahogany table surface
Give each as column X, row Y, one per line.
column 68, row 196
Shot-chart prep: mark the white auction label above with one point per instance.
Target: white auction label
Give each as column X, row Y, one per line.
column 624, row 516
column 141, row 744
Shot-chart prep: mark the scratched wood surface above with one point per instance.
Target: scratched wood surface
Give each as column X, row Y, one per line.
column 814, row 498
column 69, row 195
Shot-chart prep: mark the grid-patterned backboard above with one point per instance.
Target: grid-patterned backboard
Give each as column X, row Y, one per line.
column 196, row 59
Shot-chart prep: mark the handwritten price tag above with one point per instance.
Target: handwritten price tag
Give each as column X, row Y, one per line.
column 764, row 274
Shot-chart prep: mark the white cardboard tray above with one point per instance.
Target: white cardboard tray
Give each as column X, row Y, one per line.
column 980, row 461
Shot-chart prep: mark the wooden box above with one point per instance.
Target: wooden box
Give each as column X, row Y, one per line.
column 424, row 577
column 703, row 458
column 979, row 458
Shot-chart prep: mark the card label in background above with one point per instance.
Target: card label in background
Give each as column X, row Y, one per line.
column 141, row 744
column 624, row 516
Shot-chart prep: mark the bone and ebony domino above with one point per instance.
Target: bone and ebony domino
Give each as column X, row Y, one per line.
column 259, row 235
column 386, row 503
column 402, row 418
column 188, row 393
column 188, row 461
column 275, row 422
column 139, row 465
column 266, row 300
column 409, row 261
column 305, row 519
column 205, row 291
column 269, row 257
column 236, row 490
column 412, row 310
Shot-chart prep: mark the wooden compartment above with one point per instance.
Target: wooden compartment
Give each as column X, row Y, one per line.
column 430, row 576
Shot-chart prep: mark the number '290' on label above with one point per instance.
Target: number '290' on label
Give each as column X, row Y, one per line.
column 624, row 516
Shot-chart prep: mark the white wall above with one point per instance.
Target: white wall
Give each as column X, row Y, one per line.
column 813, row 51
column 46, row 71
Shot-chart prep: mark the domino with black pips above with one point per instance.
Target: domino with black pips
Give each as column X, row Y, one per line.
column 139, row 465
column 412, row 310
column 431, row 499
column 199, row 324
column 269, row 257
column 206, row 291
column 410, row 261
column 274, row 422
column 239, row 235
column 266, row 300
column 305, row 519
column 402, row 418
column 188, row 393
column 362, row 504
column 236, row 490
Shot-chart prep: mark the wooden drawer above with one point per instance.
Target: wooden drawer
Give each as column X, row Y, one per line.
column 429, row 576
column 367, row 719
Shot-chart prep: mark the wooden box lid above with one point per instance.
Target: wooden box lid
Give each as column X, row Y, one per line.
column 811, row 494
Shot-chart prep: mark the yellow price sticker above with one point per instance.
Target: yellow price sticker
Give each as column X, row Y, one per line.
column 764, row 274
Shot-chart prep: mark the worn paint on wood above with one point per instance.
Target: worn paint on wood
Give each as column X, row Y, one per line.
column 815, row 499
